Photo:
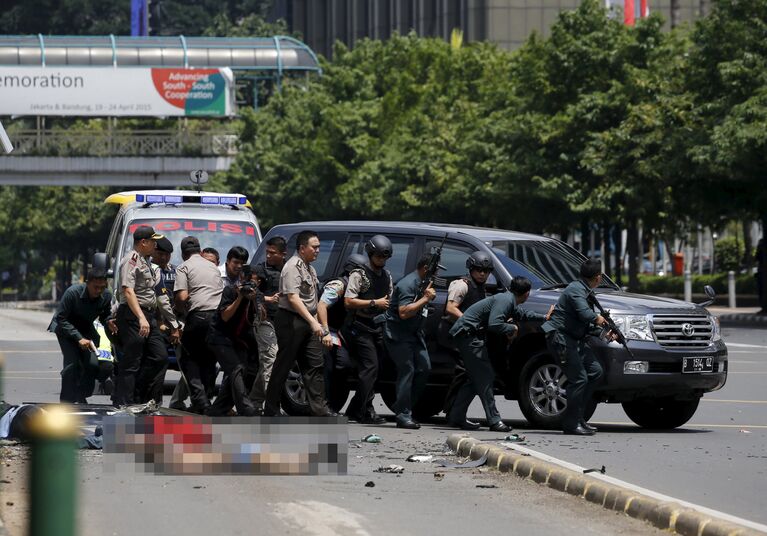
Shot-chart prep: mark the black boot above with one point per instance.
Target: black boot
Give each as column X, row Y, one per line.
column 587, row 426
column 242, row 402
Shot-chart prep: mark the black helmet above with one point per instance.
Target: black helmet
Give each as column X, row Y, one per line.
column 479, row 259
column 379, row 244
column 354, row 261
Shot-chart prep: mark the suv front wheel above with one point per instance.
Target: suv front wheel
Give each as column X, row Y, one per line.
column 542, row 392
column 663, row 413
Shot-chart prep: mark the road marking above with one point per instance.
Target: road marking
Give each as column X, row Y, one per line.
column 31, row 378
column 639, row 489
column 31, row 372
column 693, row 425
column 741, row 345
column 734, row 401
column 31, row 351
column 316, row 518
column 746, row 372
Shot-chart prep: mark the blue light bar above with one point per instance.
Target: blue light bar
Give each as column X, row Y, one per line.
column 228, row 200
column 174, row 199
column 140, row 198
column 243, row 200
column 154, row 199
column 209, row 200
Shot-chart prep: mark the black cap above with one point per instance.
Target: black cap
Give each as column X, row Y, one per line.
column 163, row 244
column 145, row 232
column 190, row 243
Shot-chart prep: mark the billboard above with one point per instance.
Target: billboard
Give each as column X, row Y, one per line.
column 128, row 91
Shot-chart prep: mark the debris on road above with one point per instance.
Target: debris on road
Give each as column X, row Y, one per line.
column 394, row 469
column 486, row 486
column 370, row 484
column 515, row 438
column 602, row 470
column 470, row 464
column 439, row 476
column 419, row 458
column 371, row 438
column 745, row 431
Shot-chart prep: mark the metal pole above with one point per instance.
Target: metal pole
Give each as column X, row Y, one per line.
column 731, row 288
column 53, row 473
column 2, row 375
column 700, row 251
column 687, row 286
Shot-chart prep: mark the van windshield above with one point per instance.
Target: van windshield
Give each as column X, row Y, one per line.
column 219, row 234
column 545, row 263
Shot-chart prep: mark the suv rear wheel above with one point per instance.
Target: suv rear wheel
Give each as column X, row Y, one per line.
column 542, row 392
column 663, row 413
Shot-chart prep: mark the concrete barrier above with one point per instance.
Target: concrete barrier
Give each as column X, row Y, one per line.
column 664, row 515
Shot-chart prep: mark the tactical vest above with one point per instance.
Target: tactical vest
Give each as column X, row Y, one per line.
column 373, row 286
column 475, row 293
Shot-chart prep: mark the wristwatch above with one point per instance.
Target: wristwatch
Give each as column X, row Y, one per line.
column 372, row 304
column 325, row 331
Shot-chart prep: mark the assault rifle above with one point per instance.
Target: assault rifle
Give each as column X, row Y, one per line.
column 431, row 269
column 621, row 338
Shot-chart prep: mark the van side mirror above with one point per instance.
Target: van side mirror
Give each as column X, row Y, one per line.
column 711, row 293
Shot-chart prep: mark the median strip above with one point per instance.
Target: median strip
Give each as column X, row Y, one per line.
column 650, row 507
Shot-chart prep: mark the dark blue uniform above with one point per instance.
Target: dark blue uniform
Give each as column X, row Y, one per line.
column 72, row 321
column 406, row 346
column 490, row 314
column 566, row 331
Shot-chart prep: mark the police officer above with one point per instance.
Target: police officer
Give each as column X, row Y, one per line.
column 142, row 366
column 405, row 343
column 332, row 314
column 298, row 330
column 462, row 294
column 469, row 332
column 366, row 300
column 572, row 321
column 73, row 325
column 268, row 276
column 232, row 339
column 198, row 291
column 161, row 258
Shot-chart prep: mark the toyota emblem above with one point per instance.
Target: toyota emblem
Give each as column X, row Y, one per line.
column 688, row 330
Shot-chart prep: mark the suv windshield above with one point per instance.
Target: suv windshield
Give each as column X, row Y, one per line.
column 545, row 263
column 219, row 234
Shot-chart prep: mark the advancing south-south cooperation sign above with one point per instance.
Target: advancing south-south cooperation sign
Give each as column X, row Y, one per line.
column 129, row 91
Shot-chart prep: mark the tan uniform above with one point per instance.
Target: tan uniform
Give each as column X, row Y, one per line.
column 300, row 278
column 457, row 291
column 202, row 280
column 136, row 273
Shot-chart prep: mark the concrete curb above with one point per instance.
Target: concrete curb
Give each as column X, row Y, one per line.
column 662, row 514
column 746, row 320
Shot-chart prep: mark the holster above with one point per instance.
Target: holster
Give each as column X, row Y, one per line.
column 555, row 341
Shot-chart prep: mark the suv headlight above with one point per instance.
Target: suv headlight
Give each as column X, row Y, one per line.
column 716, row 329
column 634, row 327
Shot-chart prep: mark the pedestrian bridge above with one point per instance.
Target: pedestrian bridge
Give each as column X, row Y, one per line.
column 157, row 158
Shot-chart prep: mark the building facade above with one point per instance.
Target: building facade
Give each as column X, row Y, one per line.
column 507, row 23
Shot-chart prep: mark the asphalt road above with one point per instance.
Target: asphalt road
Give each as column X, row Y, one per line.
column 712, row 461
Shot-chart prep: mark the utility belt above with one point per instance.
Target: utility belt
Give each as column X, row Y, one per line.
column 372, row 325
column 291, row 311
column 470, row 332
column 123, row 307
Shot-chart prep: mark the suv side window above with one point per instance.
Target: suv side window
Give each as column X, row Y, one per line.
column 403, row 252
column 454, row 255
column 331, row 244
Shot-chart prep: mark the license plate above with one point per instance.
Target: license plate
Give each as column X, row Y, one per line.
column 698, row 364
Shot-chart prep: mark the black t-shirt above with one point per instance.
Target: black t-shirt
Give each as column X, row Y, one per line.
column 239, row 328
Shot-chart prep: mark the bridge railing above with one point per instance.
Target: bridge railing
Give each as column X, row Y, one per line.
column 124, row 143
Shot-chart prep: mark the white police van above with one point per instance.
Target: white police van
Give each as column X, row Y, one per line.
column 218, row 220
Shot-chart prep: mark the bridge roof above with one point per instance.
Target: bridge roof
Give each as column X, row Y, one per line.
column 278, row 53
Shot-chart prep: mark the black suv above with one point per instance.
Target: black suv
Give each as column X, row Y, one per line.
column 678, row 351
